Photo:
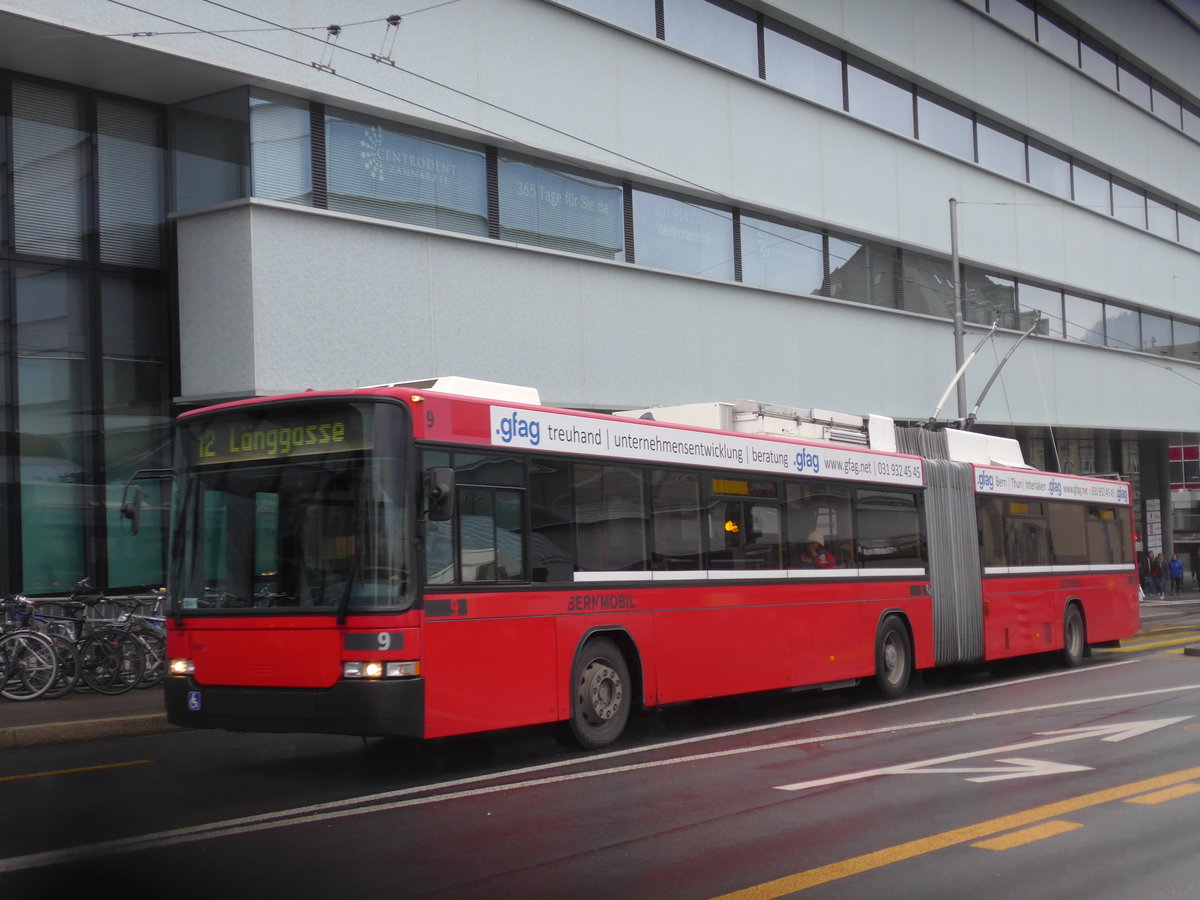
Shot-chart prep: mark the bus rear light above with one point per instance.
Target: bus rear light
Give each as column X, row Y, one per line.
column 181, row 667
column 372, row 669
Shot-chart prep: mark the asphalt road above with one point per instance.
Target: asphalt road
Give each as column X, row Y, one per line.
column 1027, row 780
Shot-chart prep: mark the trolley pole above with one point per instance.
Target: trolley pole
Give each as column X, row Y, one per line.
column 958, row 309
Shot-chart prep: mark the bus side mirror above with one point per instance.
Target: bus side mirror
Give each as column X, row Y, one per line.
column 131, row 508
column 133, row 501
column 439, row 493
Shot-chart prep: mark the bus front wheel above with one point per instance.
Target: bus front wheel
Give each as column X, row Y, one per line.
column 893, row 658
column 600, row 694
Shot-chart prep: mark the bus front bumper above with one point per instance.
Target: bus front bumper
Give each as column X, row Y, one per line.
column 383, row 708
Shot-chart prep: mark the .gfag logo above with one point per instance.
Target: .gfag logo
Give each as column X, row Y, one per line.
column 808, row 461
column 514, row 426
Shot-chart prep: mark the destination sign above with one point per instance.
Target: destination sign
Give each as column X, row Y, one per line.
column 240, row 438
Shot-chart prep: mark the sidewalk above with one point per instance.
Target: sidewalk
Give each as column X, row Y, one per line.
column 81, row 717
column 86, row 716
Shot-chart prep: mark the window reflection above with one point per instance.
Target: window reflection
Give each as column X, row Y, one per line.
column 1186, row 340
column 1049, row 170
column 210, row 150
column 130, row 181
column 989, row 298
column 718, row 31
column 281, row 148
column 380, row 169
column 1129, row 204
column 1160, row 218
column 1098, row 61
column 1016, row 14
column 1092, row 188
column 945, row 126
column 1166, row 105
column 863, row 272
column 50, row 167
column 803, row 67
column 682, row 236
column 1189, row 230
column 1058, row 37
column 1001, row 149
column 635, row 14
column 1122, row 328
column 1133, row 84
column 1084, row 320
column 928, row 285
column 782, row 257
column 51, row 323
column 1047, row 301
column 1156, row 334
column 878, row 97
column 555, row 208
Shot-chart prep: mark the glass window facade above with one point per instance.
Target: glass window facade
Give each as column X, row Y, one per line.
column 1049, row 170
column 1001, row 149
column 683, row 236
column 928, row 285
column 51, row 168
column 945, row 126
column 209, row 150
column 1058, row 37
column 1098, row 61
column 880, row 98
column 1084, row 320
column 1034, row 298
column 1091, row 188
column 1122, row 328
column 722, row 32
column 802, row 66
column 1129, row 204
column 383, row 170
column 86, row 379
column 281, row 148
column 131, row 166
column 863, row 271
column 551, row 207
column 989, row 298
column 783, row 257
column 1156, row 334
column 635, row 14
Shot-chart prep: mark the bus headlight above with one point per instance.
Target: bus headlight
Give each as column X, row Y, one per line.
column 181, row 667
column 373, row 669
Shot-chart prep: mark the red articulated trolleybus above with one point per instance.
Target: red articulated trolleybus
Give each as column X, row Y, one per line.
column 411, row 560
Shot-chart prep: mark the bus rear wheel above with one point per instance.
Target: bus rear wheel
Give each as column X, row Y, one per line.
column 1074, row 638
column 600, row 697
column 893, row 658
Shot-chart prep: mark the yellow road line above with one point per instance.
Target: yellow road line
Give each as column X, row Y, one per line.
column 120, row 765
column 1148, row 645
column 1174, row 793
column 1028, row 835
column 866, row 862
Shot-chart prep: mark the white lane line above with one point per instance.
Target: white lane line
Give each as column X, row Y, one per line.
column 404, row 797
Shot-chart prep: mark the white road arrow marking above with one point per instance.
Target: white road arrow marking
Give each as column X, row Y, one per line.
column 1116, row 732
column 1013, row 768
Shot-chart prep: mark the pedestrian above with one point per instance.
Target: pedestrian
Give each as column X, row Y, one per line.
column 1175, row 570
column 1156, row 575
column 1147, row 565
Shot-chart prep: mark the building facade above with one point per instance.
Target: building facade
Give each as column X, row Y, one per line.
column 624, row 203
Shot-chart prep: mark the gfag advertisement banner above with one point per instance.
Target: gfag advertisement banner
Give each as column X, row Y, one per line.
column 1050, row 486
column 558, row 433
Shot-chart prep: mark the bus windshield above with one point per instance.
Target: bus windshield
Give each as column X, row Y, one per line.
column 293, row 508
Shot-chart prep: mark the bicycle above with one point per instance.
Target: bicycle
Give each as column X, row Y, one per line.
column 31, row 661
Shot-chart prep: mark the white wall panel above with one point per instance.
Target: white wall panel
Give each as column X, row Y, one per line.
column 336, row 301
